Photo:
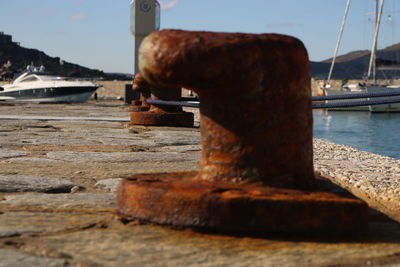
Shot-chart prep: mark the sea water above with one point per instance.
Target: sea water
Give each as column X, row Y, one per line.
column 373, row 132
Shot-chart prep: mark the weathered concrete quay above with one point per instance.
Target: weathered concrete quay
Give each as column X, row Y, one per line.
column 57, row 182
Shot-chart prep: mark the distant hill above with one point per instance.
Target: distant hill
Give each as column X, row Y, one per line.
column 21, row 57
column 354, row 65
column 349, row 56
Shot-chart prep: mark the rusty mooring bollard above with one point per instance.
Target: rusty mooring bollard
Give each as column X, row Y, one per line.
column 140, row 85
column 153, row 115
column 256, row 172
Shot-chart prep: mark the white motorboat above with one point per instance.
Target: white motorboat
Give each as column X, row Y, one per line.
column 46, row 88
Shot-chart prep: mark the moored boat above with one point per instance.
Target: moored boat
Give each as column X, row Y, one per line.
column 46, row 88
column 368, row 86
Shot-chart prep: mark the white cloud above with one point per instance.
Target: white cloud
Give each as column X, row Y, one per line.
column 166, row 5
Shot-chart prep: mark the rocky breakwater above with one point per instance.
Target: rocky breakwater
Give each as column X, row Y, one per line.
column 57, row 208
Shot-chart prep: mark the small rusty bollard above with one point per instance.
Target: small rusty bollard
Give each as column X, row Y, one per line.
column 153, row 115
column 140, row 85
column 256, row 172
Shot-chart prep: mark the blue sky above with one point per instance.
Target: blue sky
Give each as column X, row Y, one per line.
column 95, row 33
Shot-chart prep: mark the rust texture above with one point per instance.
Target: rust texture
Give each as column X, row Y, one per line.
column 178, row 199
column 140, row 85
column 152, row 115
column 256, row 134
column 256, row 118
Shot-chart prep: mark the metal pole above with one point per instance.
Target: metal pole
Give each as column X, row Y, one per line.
column 375, row 41
column 339, row 39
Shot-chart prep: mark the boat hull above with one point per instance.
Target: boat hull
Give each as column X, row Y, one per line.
column 330, row 92
column 50, row 95
column 395, row 107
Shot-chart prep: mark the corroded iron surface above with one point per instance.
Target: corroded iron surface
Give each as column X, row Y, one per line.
column 141, row 85
column 136, row 105
column 160, row 118
column 256, row 171
column 153, row 115
column 256, row 117
column 181, row 199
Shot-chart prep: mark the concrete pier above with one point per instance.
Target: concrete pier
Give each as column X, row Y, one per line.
column 57, row 199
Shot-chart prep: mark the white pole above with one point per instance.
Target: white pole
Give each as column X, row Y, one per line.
column 145, row 18
column 375, row 40
column 346, row 11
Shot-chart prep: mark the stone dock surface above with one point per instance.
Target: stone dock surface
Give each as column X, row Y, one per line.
column 57, row 196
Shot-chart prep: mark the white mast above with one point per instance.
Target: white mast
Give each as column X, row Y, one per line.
column 371, row 66
column 346, row 11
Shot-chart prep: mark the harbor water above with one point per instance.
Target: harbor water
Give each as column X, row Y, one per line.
column 377, row 133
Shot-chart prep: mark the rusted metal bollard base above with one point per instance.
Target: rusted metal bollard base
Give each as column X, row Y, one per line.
column 181, row 200
column 149, row 118
column 136, row 105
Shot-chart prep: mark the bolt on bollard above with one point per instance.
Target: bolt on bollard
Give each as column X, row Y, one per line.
column 256, row 172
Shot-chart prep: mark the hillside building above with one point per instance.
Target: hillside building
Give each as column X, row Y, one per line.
column 6, row 39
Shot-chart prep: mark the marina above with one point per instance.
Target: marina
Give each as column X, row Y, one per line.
column 370, row 84
column 114, row 167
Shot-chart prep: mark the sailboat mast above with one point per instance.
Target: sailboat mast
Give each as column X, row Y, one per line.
column 376, row 44
column 378, row 16
column 346, row 11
